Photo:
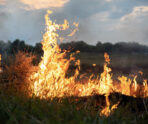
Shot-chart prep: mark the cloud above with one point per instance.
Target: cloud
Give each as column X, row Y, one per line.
column 137, row 11
column 2, row 2
column 133, row 26
column 84, row 8
column 3, row 29
column 41, row 4
column 3, row 18
column 105, row 20
column 108, row 0
column 101, row 17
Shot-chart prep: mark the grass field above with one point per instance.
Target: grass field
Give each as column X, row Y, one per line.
column 120, row 63
column 17, row 108
column 117, row 60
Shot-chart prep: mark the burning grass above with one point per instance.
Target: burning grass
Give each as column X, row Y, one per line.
column 49, row 81
column 16, row 73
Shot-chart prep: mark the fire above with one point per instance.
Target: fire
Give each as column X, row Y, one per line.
column 107, row 110
column 50, row 80
column 0, row 63
column 75, row 29
column 106, row 78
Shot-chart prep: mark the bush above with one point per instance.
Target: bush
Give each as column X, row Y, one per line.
column 17, row 71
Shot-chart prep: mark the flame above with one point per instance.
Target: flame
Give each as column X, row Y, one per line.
column 94, row 65
column 75, row 29
column 106, row 78
column 50, row 80
column 107, row 110
column 145, row 90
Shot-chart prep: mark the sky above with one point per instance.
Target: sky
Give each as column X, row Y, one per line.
column 99, row 20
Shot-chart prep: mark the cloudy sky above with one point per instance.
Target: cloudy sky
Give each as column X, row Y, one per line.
column 99, row 20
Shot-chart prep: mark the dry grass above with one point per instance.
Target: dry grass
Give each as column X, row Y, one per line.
column 16, row 73
column 19, row 109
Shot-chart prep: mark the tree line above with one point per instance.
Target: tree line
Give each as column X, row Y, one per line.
column 11, row 48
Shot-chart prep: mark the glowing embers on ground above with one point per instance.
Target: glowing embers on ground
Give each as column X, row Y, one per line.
column 50, row 80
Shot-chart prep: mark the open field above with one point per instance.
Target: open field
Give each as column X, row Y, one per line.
column 117, row 60
column 120, row 63
column 17, row 107
column 57, row 80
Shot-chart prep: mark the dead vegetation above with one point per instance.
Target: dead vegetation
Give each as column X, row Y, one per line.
column 17, row 71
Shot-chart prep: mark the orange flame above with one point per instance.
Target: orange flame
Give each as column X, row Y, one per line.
column 74, row 30
column 50, row 80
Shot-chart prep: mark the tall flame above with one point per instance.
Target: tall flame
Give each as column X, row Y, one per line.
column 50, row 80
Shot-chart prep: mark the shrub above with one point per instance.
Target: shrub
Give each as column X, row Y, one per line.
column 17, row 71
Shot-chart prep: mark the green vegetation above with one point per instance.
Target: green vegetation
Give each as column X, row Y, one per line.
column 20, row 109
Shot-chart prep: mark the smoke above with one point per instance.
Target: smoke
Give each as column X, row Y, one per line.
column 4, row 30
